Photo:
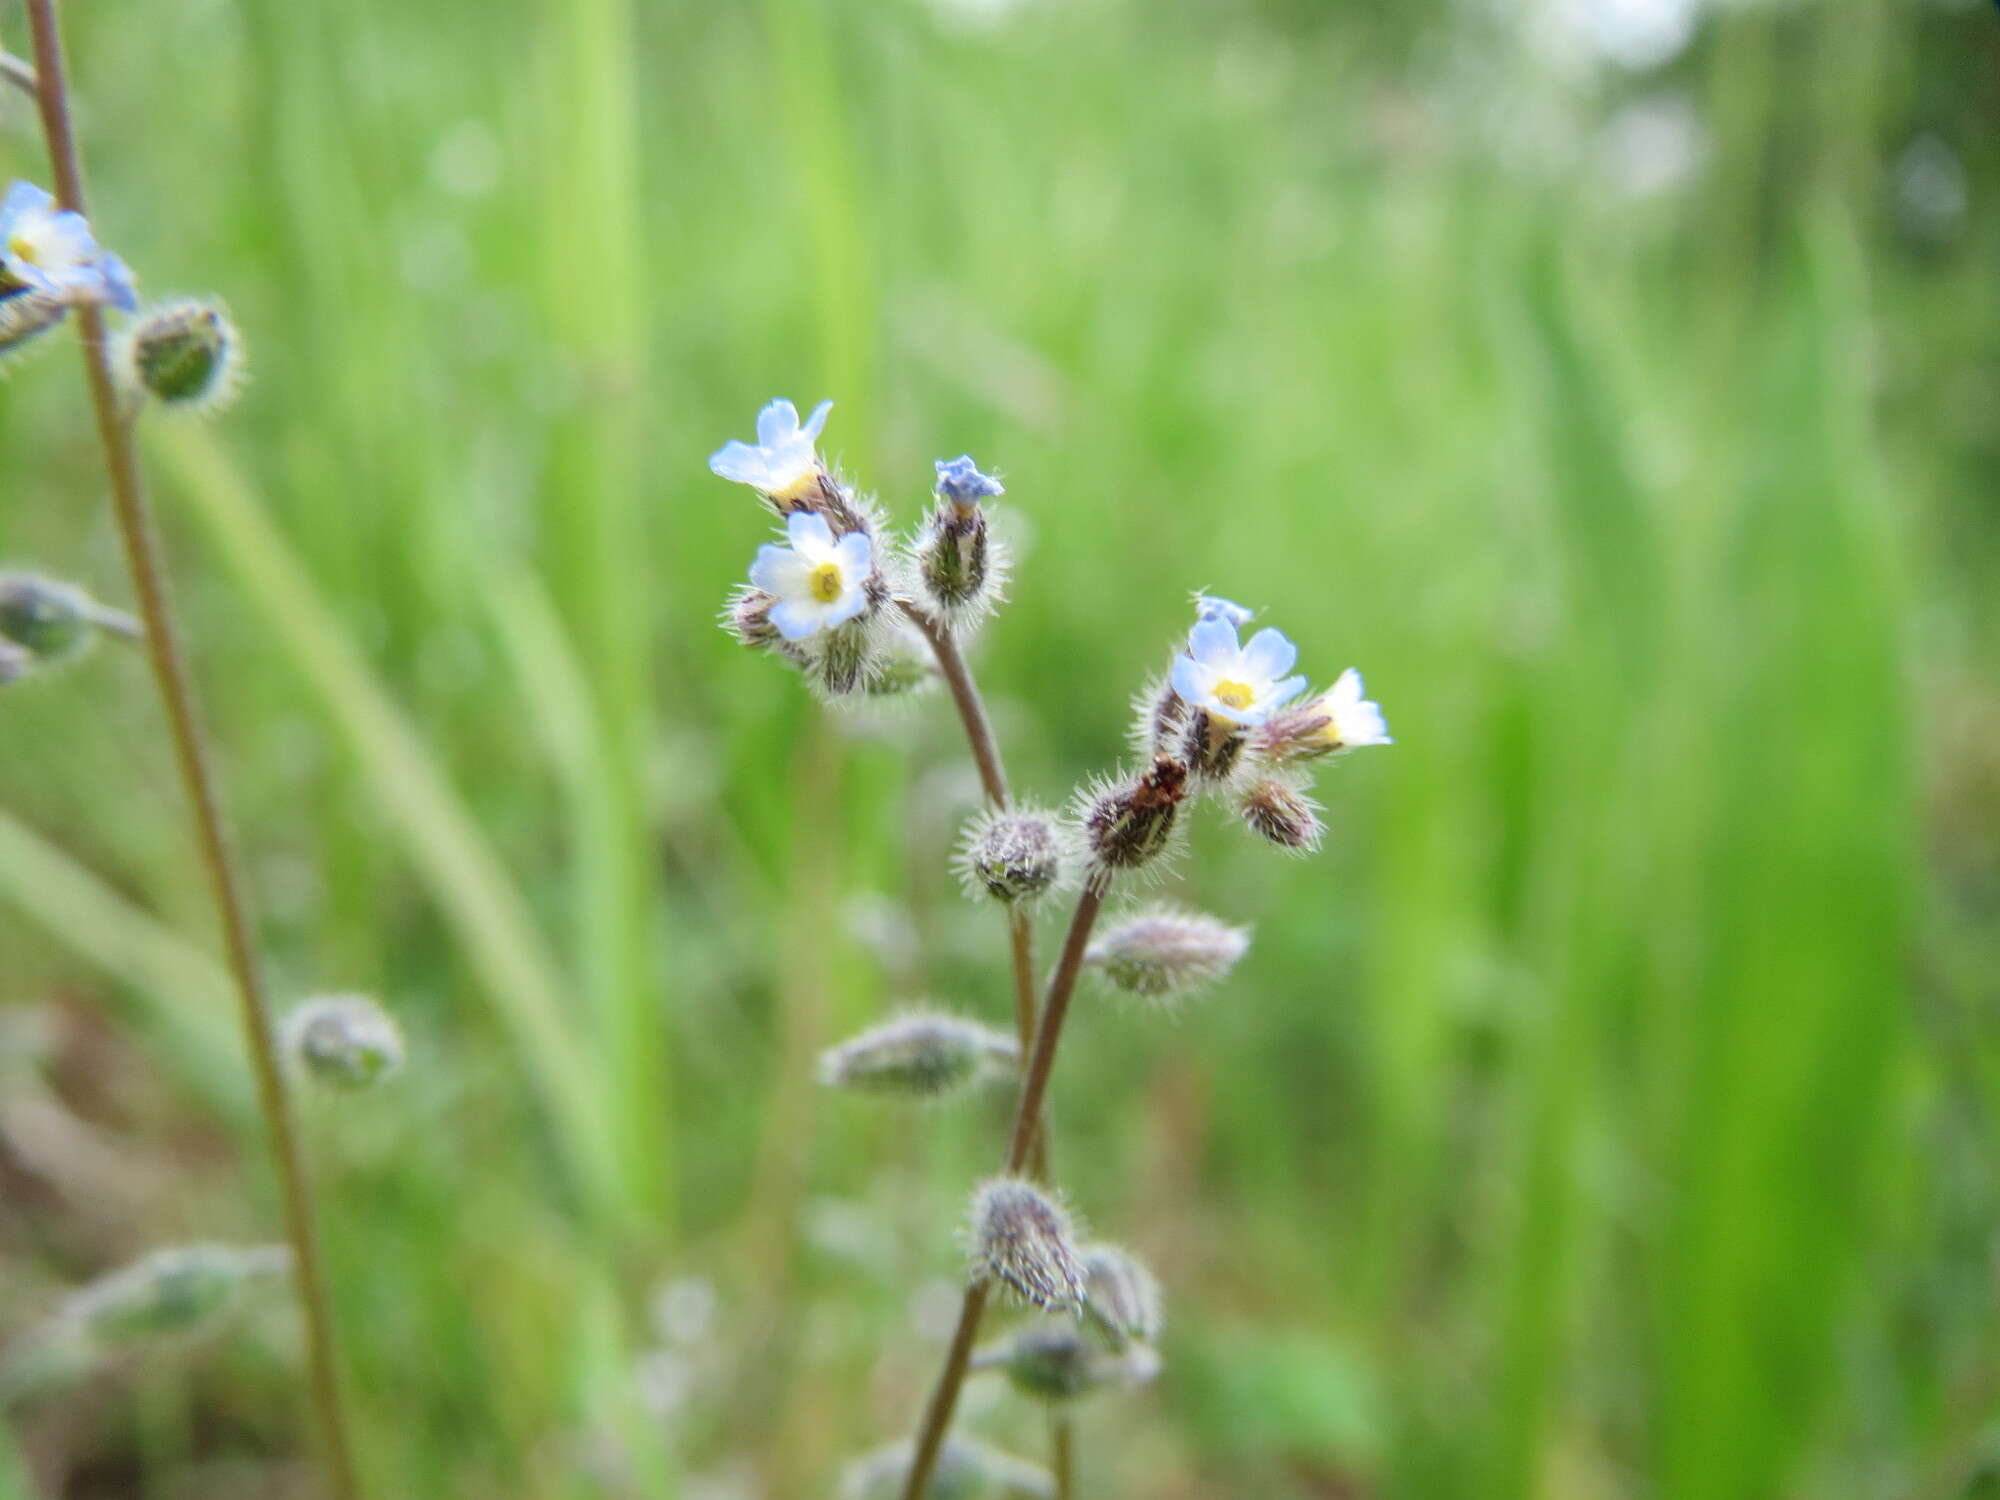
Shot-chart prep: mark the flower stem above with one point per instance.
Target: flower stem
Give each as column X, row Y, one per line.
column 143, row 554
column 1034, row 1088
column 17, row 72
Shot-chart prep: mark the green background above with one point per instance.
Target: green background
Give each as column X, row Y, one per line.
column 1607, row 1111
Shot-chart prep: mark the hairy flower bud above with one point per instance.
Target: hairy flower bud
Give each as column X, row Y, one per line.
column 172, row 1291
column 344, row 1041
column 964, row 1469
column 748, row 618
column 1212, row 746
column 1022, row 1238
column 922, row 1055
column 1122, row 1298
column 187, row 356
column 1128, row 824
column 51, row 621
column 1164, row 952
column 958, row 563
column 1159, row 719
column 905, row 665
column 1055, row 1362
column 1277, row 810
column 26, row 313
column 1018, row 855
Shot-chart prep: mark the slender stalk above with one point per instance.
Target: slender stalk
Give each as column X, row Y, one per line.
column 1034, row 1088
column 143, row 554
column 18, row 73
column 1062, row 1461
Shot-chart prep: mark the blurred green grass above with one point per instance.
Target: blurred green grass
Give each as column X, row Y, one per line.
column 1606, row 1112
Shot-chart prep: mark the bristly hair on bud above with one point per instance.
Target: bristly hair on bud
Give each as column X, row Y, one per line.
column 344, row 1041
column 920, row 1055
column 1159, row 719
column 1275, row 808
column 1164, row 952
column 1123, row 1301
column 1127, row 824
column 172, row 1291
column 1055, row 1362
column 1021, row 1237
column 1211, row 745
column 52, row 621
column 1018, row 855
column 185, row 356
column 26, row 313
column 961, row 567
column 965, row 1469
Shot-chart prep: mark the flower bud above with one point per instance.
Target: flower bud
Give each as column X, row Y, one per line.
column 48, row 620
column 748, row 618
column 172, row 1291
column 1159, row 719
column 964, row 1470
column 26, row 313
column 1164, row 952
column 1122, row 1298
column 1128, row 824
column 1018, row 855
column 1022, row 1238
column 344, row 1041
column 904, row 666
column 1280, row 812
column 1212, row 746
column 959, row 564
column 922, row 1055
column 1054, row 1362
column 187, row 356
column 844, row 660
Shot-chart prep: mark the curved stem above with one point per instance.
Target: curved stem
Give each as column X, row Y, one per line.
column 1034, row 1088
column 143, row 554
column 971, row 707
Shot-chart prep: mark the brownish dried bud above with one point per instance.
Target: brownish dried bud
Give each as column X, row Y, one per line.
column 1129, row 824
column 1280, row 812
column 1022, row 1238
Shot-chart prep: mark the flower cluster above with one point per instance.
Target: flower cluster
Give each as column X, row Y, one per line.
column 863, row 613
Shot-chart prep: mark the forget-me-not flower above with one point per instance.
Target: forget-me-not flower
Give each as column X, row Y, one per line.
column 50, row 250
column 1351, row 719
column 1208, row 607
column 960, row 482
column 1237, row 683
column 784, row 463
column 818, row 582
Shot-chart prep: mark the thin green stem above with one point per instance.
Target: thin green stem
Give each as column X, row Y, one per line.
column 1034, row 1089
column 143, row 554
column 1062, row 1461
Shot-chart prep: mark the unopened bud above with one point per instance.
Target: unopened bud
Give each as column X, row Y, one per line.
column 843, row 660
column 1122, row 1298
column 1212, row 746
column 748, row 618
column 344, row 1041
column 187, row 356
column 1055, row 1362
column 964, row 1469
column 906, row 665
column 172, row 1291
column 922, row 1055
column 1159, row 719
column 1015, row 856
column 1164, row 952
column 1128, row 824
column 1022, row 1238
column 47, row 619
column 1280, row 812
column 959, row 564
column 26, row 313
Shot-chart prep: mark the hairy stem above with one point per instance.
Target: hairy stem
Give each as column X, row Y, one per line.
column 143, row 554
column 1034, row 1088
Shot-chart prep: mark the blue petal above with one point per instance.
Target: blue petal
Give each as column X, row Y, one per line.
column 845, row 609
column 22, row 198
column 1213, row 642
column 1283, row 692
column 737, row 461
column 774, row 568
column 1269, row 654
column 809, row 531
column 816, row 423
column 118, row 288
column 1207, row 607
column 855, row 554
column 1186, row 679
column 776, row 422
column 795, row 619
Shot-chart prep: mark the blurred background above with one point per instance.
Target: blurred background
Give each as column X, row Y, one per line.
column 1607, row 1111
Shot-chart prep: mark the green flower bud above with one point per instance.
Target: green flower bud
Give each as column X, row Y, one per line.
column 1163, row 952
column 1019, row 855
column 172, row 1291
column 1022, row 1237
column 344, row 1041
column 1055, row 1362
column 923, row 1055
column 50, row 621
column 1276, row 810
column 1122, row 1298
column 187, row 356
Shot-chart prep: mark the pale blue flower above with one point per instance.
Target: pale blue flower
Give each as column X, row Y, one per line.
column 819, row 583
column 960, row 482
column 784, row 463
column 1208, row 607
column 1351, row 719
column 48, row 249
column 1240, row 684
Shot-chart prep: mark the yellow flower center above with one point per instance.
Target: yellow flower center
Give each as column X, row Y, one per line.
column 825, row 583
column 23, row 248
column 1232, row 694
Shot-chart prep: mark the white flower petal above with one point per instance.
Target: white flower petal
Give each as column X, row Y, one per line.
column 780, row 571
column 1280, row 693
column 816, row 423
column 777, row 423
column 845, row 608
column 1190, row 679
column 795, row 619
column 738, row 462
column 1346, row 689
column 1269, row 655
column 856, row 556
column 810, row 535
column 1213, row 642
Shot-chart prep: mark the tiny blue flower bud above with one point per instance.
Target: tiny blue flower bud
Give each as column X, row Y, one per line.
column 1277, row 810
column 921, row 1055
column 1019, row 855
column 344, row 1041
column 1123, row 1298
column 1022, row 1238
column 1207, row 607
column 1164, row 952
column 960, row 483
column 187, row 356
